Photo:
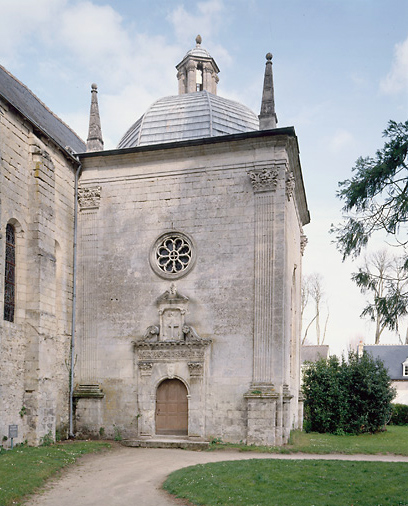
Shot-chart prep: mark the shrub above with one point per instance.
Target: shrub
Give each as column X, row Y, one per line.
column 352, row 396
column 399, row 414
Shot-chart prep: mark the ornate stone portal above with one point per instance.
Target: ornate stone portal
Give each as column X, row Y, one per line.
column 171, row 350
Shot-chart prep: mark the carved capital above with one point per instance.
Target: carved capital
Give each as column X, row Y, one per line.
column 145, row 368
column 290, row 185
column 303, row 242
column 264, row 179
column 195, row 368
column 89, row 198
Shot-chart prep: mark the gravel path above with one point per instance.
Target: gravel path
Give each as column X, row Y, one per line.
column 133, row 476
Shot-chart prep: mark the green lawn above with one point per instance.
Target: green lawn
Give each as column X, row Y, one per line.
column 24, row 469
column 248, row 483
column 393, row 440
column 261, row 482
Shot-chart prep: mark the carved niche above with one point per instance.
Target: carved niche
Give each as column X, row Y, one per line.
column 173, row 339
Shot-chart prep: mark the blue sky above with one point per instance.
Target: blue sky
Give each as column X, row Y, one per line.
column 340, row 72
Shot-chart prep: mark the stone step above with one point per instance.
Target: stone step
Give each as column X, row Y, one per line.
column 185, row 444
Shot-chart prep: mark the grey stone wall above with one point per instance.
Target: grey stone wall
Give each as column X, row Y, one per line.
column 37, row 197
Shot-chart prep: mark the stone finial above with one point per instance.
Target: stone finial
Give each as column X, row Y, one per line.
column 94, row 141
column 268, row 118
column 198, row 40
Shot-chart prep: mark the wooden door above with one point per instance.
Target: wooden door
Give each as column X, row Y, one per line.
column 171, row 408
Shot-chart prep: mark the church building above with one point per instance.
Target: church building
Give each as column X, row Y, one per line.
column 152, row 290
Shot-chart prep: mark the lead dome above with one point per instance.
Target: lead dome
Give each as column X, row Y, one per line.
column 196, row 112
column 189, row 116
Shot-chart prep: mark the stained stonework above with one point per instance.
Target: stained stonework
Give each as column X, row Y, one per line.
column 37, row 199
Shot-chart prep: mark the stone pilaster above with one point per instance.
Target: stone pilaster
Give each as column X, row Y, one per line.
column 89, row 199
column 268, row 253
column 265, row 408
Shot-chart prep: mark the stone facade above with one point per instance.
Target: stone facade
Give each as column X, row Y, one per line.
column 238, row 202
column 178, row 260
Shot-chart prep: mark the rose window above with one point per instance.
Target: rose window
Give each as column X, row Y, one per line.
column 172, row 255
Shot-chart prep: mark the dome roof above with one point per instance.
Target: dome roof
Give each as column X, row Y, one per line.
column 189, row 116
column 198, row 52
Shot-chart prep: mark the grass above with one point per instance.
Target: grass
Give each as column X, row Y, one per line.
column 393, row 440
column 292, row 483
column 258, row 482
column 24, row 469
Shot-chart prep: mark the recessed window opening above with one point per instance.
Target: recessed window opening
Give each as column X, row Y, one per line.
column 199, row 77
column 10, row 274
column 405, row 369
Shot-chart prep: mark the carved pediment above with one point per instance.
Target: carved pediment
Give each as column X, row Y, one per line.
column 172, row 330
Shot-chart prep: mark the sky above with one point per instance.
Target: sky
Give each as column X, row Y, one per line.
column 340, row 74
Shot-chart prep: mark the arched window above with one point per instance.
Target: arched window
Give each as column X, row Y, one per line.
column 199, row 77
column 10, row 274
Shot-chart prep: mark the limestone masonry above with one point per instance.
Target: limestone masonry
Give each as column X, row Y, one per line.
column 152, row 290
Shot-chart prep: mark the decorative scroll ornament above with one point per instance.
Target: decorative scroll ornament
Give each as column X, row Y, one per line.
column 89, row 198
column 264, row 179
column 290, row 185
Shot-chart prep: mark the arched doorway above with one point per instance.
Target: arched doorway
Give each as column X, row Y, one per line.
column 171, row 408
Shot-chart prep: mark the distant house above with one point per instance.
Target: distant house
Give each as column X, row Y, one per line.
column 313, row 353
column 395, row 358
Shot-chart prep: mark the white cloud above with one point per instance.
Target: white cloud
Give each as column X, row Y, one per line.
column 397, row 79
column 206, row 21
column 23, row 19
column 94, row 33
column 341, row 140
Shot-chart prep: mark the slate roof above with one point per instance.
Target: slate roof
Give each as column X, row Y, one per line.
column 31, row 107
column 189, row 116
column 393, row 356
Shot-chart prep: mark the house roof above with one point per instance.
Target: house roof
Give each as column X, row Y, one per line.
column 31, row 107
column 313, row 353
column 393, row 356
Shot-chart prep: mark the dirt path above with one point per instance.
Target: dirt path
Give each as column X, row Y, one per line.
column 133, row 476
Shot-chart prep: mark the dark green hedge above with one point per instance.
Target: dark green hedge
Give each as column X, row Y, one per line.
column 347, row 396
column 399, row 414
